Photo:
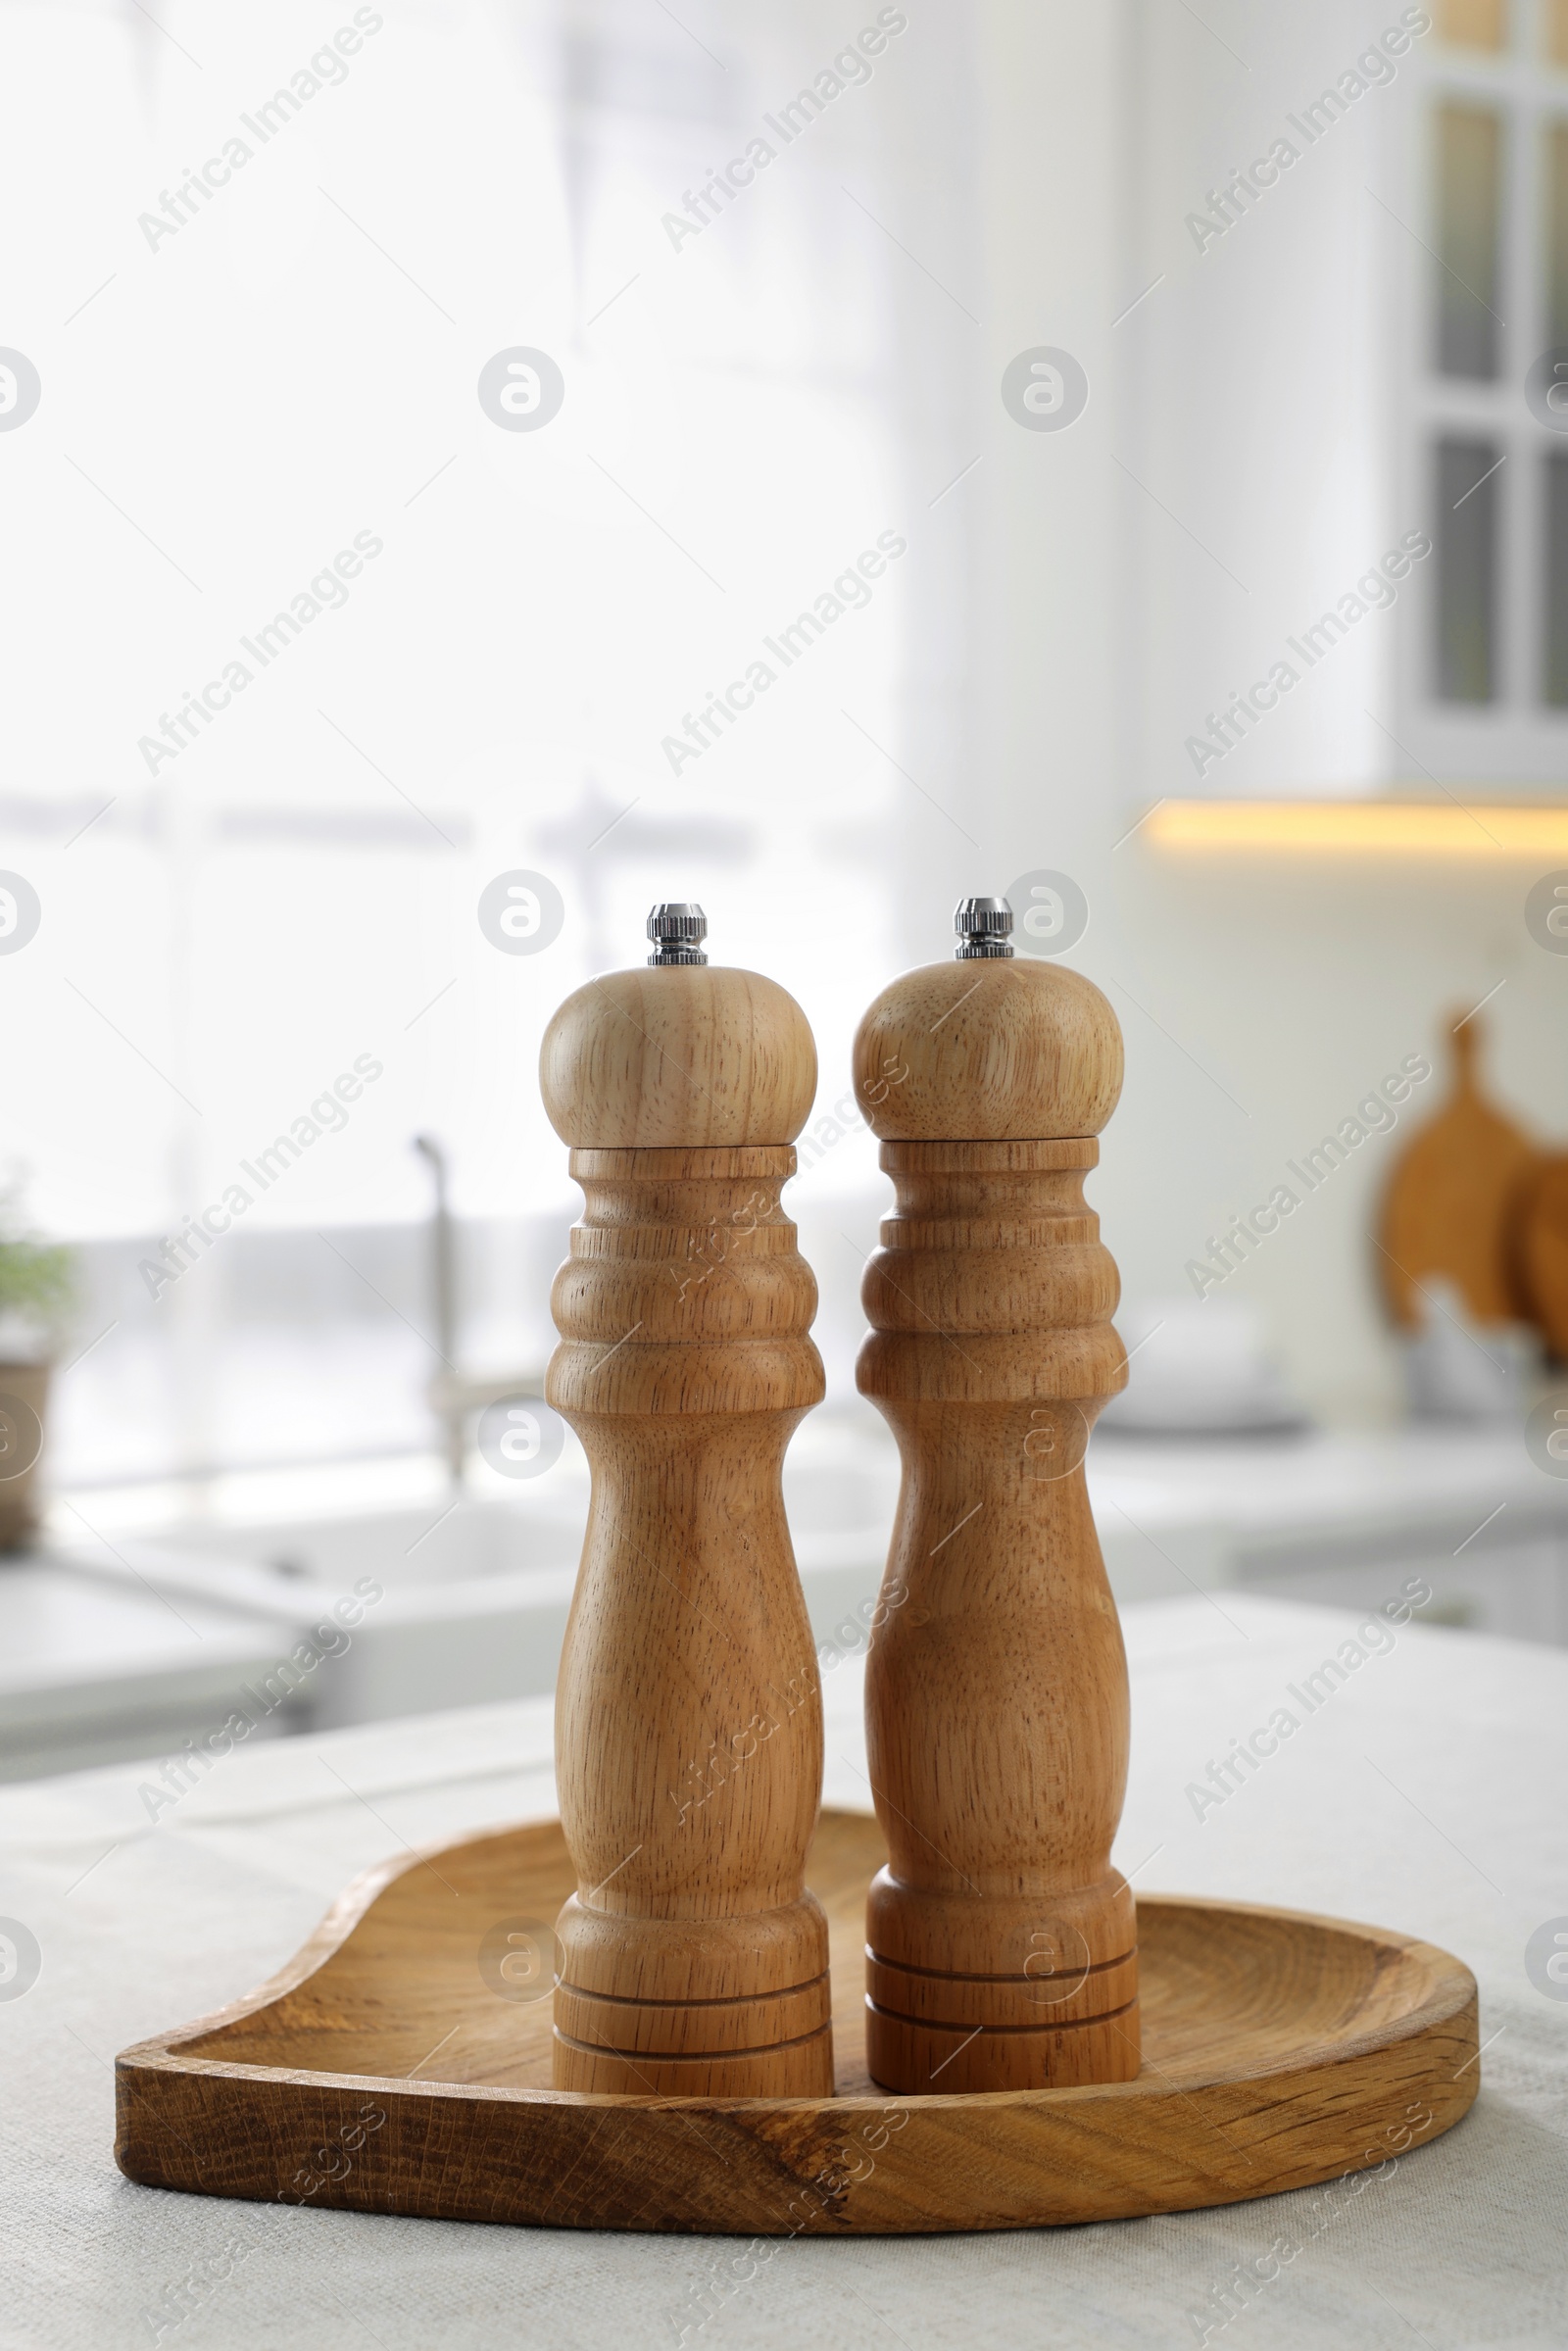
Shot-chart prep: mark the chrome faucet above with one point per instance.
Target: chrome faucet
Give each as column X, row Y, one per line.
column 452, row 1397
column 444, row 1301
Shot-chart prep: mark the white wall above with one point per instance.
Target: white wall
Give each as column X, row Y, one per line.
column 1260, row 996
column 1298, row 983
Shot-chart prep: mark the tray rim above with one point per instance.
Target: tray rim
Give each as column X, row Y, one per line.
column 358, row 1896
column 1448, row 2003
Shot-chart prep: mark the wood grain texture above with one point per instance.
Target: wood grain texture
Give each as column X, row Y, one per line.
column 988, row 1051
column 679, row 1055
column 380, row 2071
column 1002, row 1945
column 997, row 1710
column 688, row 1726
column 1451, row 1202
column 1540, row 1228
column 688, row 1717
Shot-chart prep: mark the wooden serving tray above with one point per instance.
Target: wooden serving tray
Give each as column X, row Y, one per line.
column 380, row 2071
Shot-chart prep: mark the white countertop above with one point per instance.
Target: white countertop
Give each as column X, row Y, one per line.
column 1426, row 1794
column 127, row 1634
column 1284, row 1485
column 1341, row 1518
column 92, row 1664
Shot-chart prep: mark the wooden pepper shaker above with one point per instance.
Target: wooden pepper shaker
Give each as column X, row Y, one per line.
column 1000, row 1944
column 688, row 1726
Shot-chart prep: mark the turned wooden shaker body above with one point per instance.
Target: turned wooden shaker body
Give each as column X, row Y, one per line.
column 1002, row 1945
column 688, row 1727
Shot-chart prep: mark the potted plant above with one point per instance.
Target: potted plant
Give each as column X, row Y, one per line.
column 37, row 1287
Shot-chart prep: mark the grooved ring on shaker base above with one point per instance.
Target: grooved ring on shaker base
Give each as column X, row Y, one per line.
column 967, row 1934
column 752, row 1955
column 792, row 2069
column 704, row 2028
column 911, row 2059
column 1001, row 2003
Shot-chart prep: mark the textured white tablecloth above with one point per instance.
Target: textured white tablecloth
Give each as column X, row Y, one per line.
column 1430, row 1793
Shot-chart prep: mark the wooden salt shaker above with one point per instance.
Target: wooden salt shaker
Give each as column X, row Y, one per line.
column 687, row 1724
column 1000, row 1944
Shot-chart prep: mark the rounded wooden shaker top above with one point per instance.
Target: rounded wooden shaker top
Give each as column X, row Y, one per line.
column 988, row 1049
column 679, row 1054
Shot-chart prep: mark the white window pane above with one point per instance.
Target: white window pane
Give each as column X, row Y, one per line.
column 1468, row 504
column 1469, row 227
column 1554, row 586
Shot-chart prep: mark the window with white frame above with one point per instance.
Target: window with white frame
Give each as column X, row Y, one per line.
column 234, row 384
column 1486, row 317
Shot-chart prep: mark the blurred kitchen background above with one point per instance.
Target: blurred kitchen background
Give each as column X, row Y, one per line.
column 1313, row 267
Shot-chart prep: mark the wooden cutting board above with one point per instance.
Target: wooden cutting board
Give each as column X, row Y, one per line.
column 1542, row 1251
column 1452, row 1199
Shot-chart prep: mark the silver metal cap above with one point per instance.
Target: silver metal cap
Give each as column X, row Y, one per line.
column 678, row 929
column 982, row 925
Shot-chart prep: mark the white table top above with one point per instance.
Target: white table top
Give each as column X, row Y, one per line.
column 1426, row 1795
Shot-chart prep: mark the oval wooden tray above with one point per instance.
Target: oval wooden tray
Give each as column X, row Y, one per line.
column 379, row 2072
